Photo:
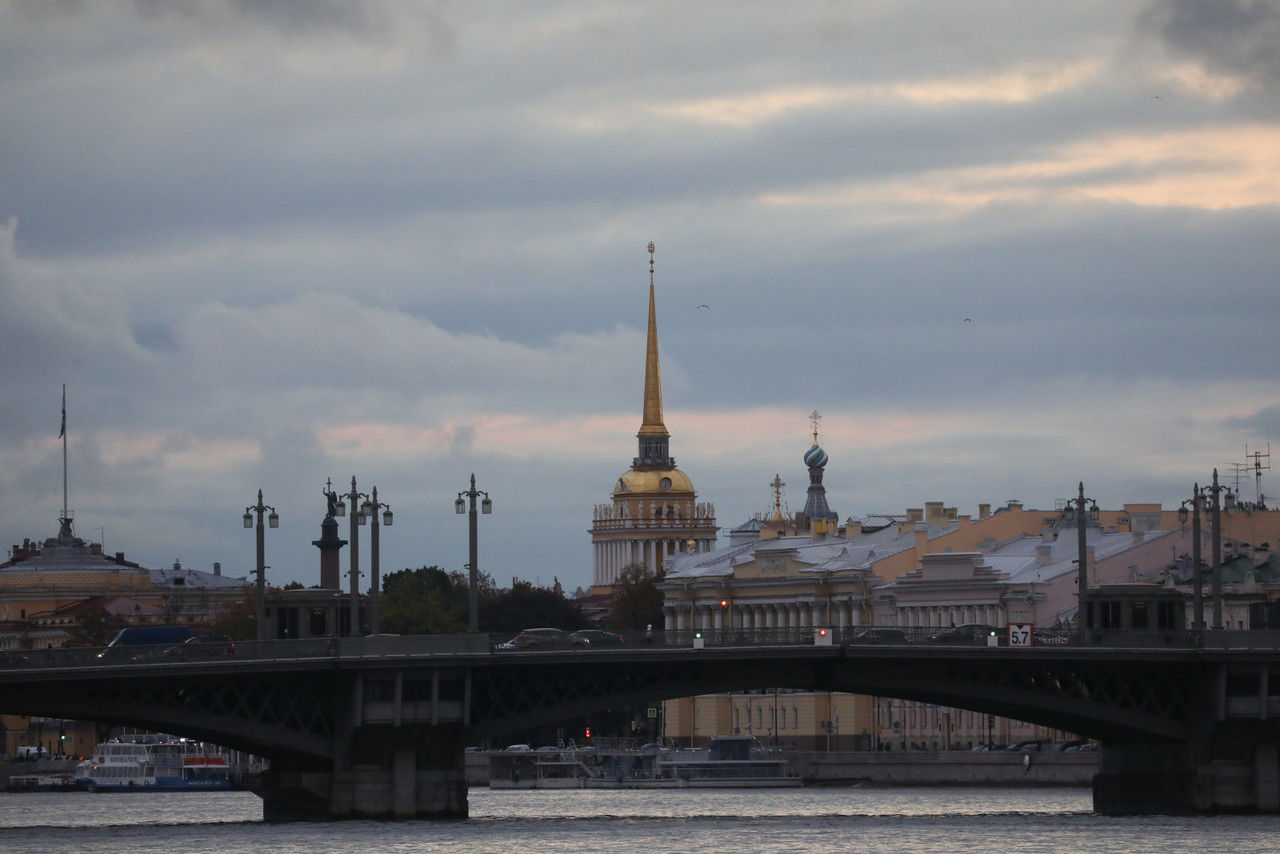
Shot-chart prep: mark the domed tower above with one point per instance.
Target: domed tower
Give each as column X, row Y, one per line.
column 819, row 517
column 655, row 512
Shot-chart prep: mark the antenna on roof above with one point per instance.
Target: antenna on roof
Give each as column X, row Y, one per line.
column 1261, row 463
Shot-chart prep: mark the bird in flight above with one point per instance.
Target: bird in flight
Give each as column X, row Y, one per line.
column 704, row 305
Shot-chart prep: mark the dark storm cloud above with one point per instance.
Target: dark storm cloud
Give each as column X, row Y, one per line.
column 1236, row 37
column 1261, row 424
column 267, row 244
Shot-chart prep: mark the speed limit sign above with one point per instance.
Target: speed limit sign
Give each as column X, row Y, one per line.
column 1020, row 634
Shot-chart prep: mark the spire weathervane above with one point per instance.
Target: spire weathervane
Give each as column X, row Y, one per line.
column 653, row 435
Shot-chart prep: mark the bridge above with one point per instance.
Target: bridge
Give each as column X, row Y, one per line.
column 377, row 726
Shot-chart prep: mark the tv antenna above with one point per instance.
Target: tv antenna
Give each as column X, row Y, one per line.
column 1258, row 461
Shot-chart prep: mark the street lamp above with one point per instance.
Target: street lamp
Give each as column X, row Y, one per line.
column 1200, row 497
column 357, row 518
column 274, row 521
column 473, row 574
column 1075, row 508
column 370, row 510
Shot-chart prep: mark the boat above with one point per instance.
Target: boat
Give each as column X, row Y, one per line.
column 154, row 763
column 728, row 762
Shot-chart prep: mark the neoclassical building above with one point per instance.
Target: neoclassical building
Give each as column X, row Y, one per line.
column 655, row 513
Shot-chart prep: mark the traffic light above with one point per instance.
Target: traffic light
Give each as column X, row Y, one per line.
column 724, row 603
column 588, row 732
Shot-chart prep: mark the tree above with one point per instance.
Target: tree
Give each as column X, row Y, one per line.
column 423, row 601
column 94, row 628
column 525, row 607
column 237, row 620
column 637, row 600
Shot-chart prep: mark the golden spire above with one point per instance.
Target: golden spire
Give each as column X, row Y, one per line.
column 652, row 424
column 815, row 418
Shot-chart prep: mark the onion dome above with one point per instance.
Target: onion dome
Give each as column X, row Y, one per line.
column 815, row 457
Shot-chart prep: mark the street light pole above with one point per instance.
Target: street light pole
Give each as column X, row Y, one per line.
column 370, row 509
column 1197, row 576
column 274, row 521
column 1076, row 507
column 473, row 573
column 1215, row 490
column 1197, row 502
column 357, row 518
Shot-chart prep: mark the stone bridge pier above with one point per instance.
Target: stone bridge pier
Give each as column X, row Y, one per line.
column 1228, row 762
column 406, row 772
column 397, row 753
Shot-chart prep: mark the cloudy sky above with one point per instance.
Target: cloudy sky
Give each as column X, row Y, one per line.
column 1002, row 247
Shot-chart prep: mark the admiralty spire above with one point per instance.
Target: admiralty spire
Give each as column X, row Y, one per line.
column 655, row 512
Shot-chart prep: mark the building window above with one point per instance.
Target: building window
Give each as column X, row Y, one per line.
column 1139, row 615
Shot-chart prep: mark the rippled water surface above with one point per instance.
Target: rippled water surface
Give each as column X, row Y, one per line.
column 900, row 820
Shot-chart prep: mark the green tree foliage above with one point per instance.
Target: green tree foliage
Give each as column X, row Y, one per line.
column 94, row 628
column 425, row 601
column 431, row 601
column 637, row 600
column 238, row 621
column 526, row 607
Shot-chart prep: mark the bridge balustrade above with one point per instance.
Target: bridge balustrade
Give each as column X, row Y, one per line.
column 391, row 646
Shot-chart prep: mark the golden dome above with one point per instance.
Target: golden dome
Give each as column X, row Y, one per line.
column 654, row 481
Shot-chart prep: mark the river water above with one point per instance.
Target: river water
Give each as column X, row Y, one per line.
column 872, row 819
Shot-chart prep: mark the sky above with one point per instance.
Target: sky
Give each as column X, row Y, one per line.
column 1001, row 247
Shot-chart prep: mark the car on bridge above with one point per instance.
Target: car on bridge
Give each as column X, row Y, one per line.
column 200, row 646
column 594, row 637
column 881, row 634
column 970, row 633
column 538, row 639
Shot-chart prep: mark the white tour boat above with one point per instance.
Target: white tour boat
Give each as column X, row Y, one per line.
column 154, row 763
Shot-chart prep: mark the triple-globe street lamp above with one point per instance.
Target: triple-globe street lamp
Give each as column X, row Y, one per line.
column 273, row 520
column 473, row 572
column 1203, row 497
column 1083, row 511
column 370, row 510
column 357, row 518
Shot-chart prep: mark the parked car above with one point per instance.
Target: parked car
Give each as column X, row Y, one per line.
column 881, row 634
column 537, row 639
column 594, row 637
column 1026, row 746
column 970, row 633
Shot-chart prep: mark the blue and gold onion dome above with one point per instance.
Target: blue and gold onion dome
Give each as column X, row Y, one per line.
column 815, row 457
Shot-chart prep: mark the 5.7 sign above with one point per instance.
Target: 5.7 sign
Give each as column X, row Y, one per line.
column 1020, row 634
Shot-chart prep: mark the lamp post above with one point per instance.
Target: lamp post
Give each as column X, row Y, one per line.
column 473, row 574
column 1197, row 604
column 1199, row 498
column 1075, row 508
column 273, row 520
column 357, row 518
column 370, row 509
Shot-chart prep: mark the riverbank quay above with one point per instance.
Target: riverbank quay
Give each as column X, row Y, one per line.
column 946, row 767
column 17, row 775
column 912, row 768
